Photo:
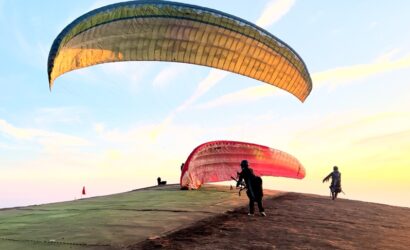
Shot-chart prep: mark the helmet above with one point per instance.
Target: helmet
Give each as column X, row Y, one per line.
column 244, row 164
column 335, row 168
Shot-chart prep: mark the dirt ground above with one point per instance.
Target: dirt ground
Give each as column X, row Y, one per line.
column 296, row 221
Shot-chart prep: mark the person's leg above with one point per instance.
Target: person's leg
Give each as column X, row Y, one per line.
column 251, row 206
column 332, row 191
column 251, row 203
column 260, row 206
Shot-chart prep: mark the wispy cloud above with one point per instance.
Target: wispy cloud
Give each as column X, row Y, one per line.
column 7, row 146
column 128, row 147
column 169, row 74
column 341, row 75
column 387, row 138
column 43, row 137
column 332, row 77
column 214, row 76
column 274, row 11
column 131, row 74
column 66, row 115
column 243, row 95
column 377, row 142
column 354, row 124
column 276, row 8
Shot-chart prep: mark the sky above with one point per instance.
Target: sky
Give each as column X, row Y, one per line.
column 118, row 126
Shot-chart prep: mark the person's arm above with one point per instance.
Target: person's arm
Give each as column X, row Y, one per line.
column 327, row 177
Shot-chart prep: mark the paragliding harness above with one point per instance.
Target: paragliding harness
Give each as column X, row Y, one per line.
column 241, row 185
column 335, row 191
column 335, row 187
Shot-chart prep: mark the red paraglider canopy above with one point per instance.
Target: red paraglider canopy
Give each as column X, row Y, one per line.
column 220, row 160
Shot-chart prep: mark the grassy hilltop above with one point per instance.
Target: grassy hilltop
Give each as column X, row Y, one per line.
column 213, row 217
column 112, row 221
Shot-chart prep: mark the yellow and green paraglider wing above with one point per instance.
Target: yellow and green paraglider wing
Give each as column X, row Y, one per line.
column 166, row 31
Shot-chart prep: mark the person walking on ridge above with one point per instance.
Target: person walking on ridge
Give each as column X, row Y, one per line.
column 336, row 184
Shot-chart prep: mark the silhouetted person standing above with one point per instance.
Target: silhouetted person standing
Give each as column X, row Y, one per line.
column 161, row 182
column 254, row 188
column 336, row 184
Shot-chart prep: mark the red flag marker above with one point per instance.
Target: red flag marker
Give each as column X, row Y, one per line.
column 83, row 190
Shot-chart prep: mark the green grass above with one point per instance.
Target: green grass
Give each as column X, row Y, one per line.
column 114, row 221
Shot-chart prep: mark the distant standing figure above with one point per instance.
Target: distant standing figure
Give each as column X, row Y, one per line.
column 254, row 188
column 336, row 184
column 161, row 182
